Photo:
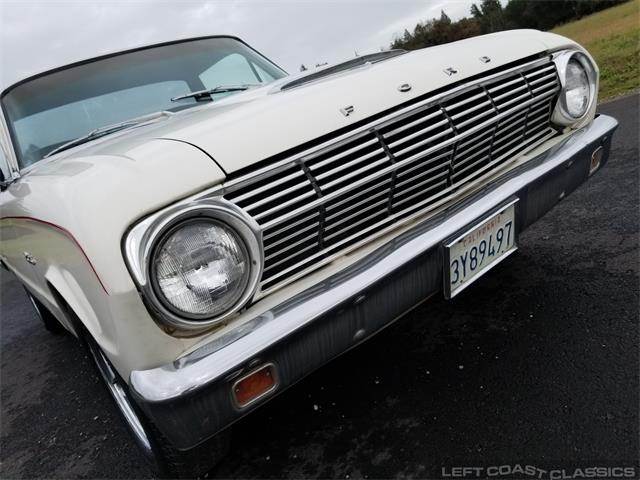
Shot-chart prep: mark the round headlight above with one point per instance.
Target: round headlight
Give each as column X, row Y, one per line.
column 577, row 89
column 200, row 269
column 579, row 79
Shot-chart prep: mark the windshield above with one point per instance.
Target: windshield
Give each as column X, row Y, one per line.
column 56, row 108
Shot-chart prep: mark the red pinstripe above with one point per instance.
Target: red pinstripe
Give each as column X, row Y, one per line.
column 68, row 234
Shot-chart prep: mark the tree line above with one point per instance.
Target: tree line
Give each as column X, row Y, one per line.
column 490, row 16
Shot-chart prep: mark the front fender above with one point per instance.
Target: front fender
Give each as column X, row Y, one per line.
column 71, row 214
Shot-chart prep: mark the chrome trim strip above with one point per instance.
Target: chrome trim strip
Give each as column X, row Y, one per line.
column 120, row 396
column 6, row 144
column 214, row 360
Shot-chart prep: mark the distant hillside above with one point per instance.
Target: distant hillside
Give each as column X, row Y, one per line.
column 612, row 35
column 489, row 16
column 613, row 38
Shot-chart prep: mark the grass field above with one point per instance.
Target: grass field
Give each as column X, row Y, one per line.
column 612, row 36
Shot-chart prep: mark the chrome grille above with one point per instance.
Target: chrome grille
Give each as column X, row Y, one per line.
column 314, row 206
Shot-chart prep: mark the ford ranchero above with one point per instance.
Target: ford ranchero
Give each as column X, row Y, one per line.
column 212, row 229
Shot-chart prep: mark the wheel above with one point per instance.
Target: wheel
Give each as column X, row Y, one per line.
column 50, row 322
column 163, row 458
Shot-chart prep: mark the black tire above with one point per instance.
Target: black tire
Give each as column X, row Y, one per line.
column 164, row 459
column 50, row 322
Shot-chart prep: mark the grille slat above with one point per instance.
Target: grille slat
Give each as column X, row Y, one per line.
column 338, row 156
column 497, row 98
column 284, row 261
column 503, row 85
column 417, row 165
column 270, row 233
column 456, row 116
column 349, row 199
column 337, row 231
column 411, row 124
column 453, row 106
column 423, row 131
column 265, row 200
column 283, row 205
column 352, row 163
column 429, row 189
column 423, row 183
column 354, row 174
column 271, row 245
column 352, row 206
column 279, row 181
column 547, row 78
column 413, row 146
column 540, row 71
column 337, row 197
column 287, row 247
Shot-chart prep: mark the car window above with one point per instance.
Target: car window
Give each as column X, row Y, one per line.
column 54, row 108
column 232, row 69
column 264, row 76
column 39, row 131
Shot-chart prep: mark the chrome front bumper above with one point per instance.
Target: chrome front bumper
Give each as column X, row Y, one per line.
column 190, row 399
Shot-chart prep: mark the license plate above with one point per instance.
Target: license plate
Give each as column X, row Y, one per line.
column 479, row 249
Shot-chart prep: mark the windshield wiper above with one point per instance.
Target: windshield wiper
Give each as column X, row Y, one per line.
column 106, row 130
column 219, row 89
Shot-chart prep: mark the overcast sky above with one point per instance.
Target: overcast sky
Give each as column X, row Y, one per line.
column 37, row 35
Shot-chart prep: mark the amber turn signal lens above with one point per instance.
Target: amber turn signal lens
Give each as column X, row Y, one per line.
column 254, row 385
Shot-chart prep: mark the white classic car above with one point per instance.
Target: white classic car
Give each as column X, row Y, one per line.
column 213, row 230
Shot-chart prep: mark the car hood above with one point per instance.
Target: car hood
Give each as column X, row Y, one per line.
column 241, row 130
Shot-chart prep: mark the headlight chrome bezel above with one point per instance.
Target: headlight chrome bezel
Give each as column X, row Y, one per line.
column 142, row 241
column 561, row 115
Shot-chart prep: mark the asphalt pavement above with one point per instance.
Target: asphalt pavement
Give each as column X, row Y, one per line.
column 536, row 364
